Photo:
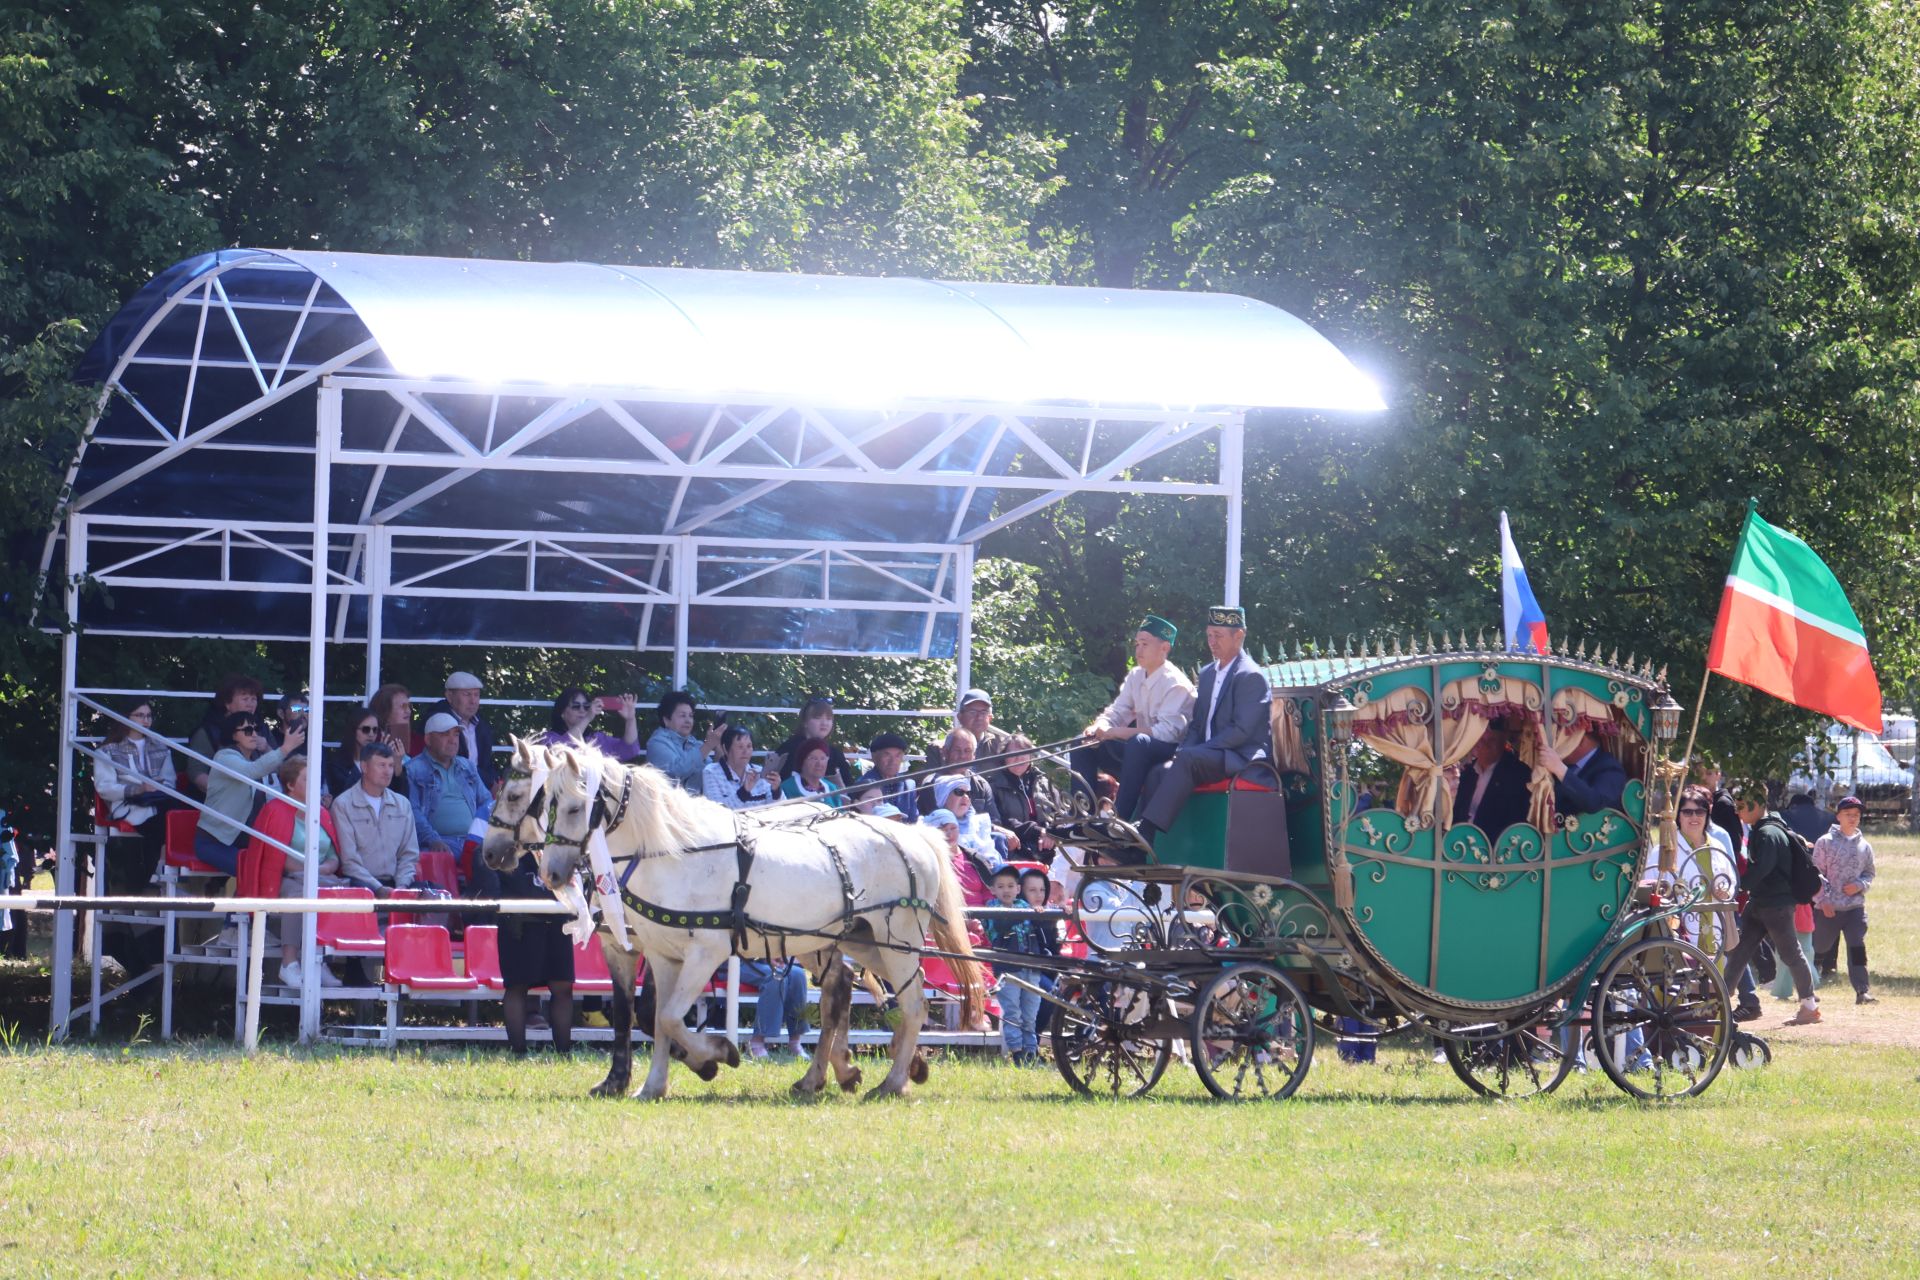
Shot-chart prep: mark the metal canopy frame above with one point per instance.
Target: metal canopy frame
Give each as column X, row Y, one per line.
column 379, row 501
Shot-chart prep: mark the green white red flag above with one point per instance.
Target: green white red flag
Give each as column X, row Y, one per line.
column 1785, row 628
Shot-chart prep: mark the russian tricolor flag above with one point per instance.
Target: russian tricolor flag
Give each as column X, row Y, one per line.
column 1526, row 626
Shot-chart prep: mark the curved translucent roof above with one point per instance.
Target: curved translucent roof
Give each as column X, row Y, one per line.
column 776, row 414
column 830, row 339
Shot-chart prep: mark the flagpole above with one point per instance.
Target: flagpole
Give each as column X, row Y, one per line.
column 1700, row 705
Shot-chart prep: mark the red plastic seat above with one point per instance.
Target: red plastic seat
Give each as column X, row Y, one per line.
column 483, row 956
column 254, row 881
column 107, row 825
column 1232, row 784
column 181, row 826
column 420, row 958
column 404, row 917
column 590, row 975
column 349, row 933
column 437, row 867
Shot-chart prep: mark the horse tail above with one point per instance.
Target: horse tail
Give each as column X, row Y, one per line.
column 950, row 933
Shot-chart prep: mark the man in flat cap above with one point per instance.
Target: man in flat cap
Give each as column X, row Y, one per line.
column 1229, row 730
column 1144, row 724
column 476, row 735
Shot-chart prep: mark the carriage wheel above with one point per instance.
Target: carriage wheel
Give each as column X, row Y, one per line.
column 1749, row 1051
column 1101, row 1051
column 1530, row 1061
column 1662, row 1020
column 1252, row 1034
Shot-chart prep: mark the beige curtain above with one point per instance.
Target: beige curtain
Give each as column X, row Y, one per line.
column 1572, row 712
column 1399, row 727
column 1289, row 749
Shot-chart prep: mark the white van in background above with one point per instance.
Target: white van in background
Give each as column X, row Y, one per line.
column 1853, row 760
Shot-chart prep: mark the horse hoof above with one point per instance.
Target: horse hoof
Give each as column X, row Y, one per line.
column 851, row 1081
column 881, row 1090
column 917, row 1070
column 707, row 1070
column 608, row 1088
column 802, row 1089
column 733, row 1054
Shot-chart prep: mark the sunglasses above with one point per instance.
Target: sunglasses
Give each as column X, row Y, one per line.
column 1700, row 812
column 367, row 728
column 824, row 700
column 246, row 728
column 577, row 705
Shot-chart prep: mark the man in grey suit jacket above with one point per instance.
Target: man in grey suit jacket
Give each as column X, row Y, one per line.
column 1230, row 728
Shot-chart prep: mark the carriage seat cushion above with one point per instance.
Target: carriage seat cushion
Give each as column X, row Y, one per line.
column 1232, row 784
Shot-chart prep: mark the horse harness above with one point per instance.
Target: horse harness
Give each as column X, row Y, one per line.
column 735, row 920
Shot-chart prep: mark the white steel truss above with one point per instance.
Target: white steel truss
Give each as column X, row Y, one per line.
column 253, row 361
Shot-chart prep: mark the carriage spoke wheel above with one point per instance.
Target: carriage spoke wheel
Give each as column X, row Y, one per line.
column 1662, row 1020
column 1252, row 1034
column 1101, row 1051
column 1529, row 1061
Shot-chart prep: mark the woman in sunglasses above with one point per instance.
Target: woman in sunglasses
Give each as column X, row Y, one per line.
column 230, row 801
column 574, row 710
column 1705, row 862
column 341, row 768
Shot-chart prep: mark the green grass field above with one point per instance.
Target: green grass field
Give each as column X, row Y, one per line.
column 143, row 1160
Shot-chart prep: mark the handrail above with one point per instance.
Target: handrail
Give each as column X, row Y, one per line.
column 191, row 754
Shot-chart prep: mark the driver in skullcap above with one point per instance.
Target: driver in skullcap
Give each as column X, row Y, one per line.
column 1140, row 730
column 1230, row 728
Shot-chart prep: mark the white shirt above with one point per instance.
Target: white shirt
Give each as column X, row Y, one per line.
column 1480, row 789
column 1160, row 701
column 1213, row 704
column 375, row 800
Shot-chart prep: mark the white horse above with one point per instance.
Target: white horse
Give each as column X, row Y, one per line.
column 678, row 854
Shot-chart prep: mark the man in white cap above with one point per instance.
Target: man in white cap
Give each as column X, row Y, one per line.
column 450, row 806
column 476, row 735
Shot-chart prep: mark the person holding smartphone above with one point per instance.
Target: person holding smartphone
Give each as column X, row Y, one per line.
column 732, row 779
column 574, row 710
column 672, row 748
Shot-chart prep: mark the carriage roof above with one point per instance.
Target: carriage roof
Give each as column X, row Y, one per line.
column 1327, row 671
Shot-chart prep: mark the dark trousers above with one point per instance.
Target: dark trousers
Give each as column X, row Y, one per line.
column 1169, row 786
column 1827, row 932
column 1759, row 923
column 1129, row 760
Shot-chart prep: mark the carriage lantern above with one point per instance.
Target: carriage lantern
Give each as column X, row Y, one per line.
column 1340, row 719
column 1666, row 718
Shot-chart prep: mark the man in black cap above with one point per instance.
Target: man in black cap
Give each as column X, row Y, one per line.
column 1230, row 728
column 888, row 752
column 1144, row 724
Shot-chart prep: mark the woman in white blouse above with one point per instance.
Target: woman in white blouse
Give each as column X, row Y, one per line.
column 732, row 779
column 1705, row 863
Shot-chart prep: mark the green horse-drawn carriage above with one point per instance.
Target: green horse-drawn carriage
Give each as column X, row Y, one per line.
column 1309, row 901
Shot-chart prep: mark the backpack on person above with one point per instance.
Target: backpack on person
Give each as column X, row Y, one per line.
column 1803, row 877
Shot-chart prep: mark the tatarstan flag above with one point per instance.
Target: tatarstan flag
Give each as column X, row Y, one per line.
column 1786, row 628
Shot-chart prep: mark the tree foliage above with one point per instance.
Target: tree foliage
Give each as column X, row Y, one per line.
column 1618, row 267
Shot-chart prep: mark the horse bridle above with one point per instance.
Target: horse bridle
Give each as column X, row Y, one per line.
column 598, row 817
column 522, row 847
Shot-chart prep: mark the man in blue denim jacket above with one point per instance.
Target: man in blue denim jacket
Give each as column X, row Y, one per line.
column 450, row 803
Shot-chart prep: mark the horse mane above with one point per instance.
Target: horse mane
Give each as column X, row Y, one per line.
column 663, row 818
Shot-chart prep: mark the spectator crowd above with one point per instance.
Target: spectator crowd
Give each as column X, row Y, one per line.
column 406, row 799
